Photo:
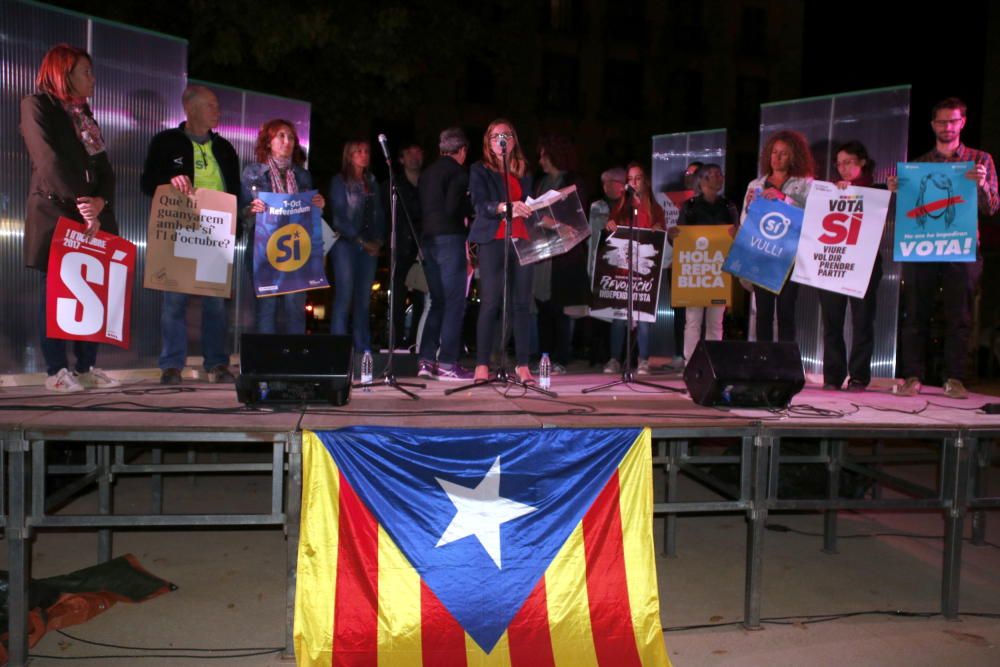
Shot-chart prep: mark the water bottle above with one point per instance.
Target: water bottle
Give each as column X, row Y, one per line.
column 366, row 368
column 545, row 371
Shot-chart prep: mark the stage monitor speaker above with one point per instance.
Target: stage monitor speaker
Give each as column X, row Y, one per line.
column 744, row 374
column 295, row 368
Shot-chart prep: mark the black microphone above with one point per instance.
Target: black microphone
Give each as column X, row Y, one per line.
column 630, row 191
column 503, row 142
column 384, row 143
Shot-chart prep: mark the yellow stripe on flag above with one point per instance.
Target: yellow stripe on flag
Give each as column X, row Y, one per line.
column 635, row 477
column 498, row 657
column 399, row 642
column 569, row 606
column 316, row 583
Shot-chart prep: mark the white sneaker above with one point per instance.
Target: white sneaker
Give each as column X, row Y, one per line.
column 643, row 368
column 95, row 378
column 63, row 382
column 612, row 366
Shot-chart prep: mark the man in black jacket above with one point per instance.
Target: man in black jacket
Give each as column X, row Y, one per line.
column 191, row 157
column 444, row 202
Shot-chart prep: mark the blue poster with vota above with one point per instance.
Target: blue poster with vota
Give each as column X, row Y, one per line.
column 288, row 245
column 763, row 251
column 936, row 213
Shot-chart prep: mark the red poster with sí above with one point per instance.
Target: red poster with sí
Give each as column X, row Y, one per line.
column 89, row 288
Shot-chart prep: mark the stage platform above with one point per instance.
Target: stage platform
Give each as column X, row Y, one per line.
column 869, row 435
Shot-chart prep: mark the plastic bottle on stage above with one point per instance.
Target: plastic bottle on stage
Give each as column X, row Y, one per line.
column 366, row 368
column 545, row 371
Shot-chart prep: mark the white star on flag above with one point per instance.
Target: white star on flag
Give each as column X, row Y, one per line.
column 481, row 510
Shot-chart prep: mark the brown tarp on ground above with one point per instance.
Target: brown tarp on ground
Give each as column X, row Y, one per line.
column 70, row 599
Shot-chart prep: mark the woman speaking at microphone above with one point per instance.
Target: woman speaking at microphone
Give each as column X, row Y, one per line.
column 279, row 168
column 71, row 177
column 489, row 196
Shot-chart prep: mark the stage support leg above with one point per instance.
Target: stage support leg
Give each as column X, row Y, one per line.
column 877, row 450
column 104, row 501
column 157, row 483
column 835, row 454
column 293, row 512
column 956, row 468
column 984, row 458
column 18, row 550
column 765, row 448
column 670, row 521
column 192, row 457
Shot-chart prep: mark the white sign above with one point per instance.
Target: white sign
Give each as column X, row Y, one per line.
column 841, row 234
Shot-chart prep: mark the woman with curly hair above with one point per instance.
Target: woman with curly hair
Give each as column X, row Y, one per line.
column 788, row 168
column 279, row 168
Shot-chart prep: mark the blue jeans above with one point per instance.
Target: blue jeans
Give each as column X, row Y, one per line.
column 491, row 299
column 173, row 328
column 353, row 275
column 292, row 306
column 54, row 349
column 618, row 339
column 444, row 266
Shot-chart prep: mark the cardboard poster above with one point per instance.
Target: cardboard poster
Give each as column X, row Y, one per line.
column 288, row 245
column 610, row 283
column 764, row 249
column 190, row 242
column 698, row 278
column 89, row 289
column 936, row 213
column 841, row 235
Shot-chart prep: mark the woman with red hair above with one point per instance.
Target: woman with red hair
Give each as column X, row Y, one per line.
column 787, row 167
column 71, row 177
column 279, row 168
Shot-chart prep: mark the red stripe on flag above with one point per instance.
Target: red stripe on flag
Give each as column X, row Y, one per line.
column 607, row 587
column 442, row 638
column 528, row 634
column 355, row 616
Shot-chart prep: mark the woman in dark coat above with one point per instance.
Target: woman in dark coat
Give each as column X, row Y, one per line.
column 71, row 177
column 488, row 191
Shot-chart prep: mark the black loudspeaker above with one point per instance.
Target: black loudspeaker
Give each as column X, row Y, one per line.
column 295, row 368
column 744, row 374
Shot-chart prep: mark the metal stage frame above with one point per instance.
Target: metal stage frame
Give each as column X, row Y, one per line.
column 963, row 454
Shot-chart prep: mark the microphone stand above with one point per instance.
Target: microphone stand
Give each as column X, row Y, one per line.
column 388, row 377
column 503, row 376
column 628, row 377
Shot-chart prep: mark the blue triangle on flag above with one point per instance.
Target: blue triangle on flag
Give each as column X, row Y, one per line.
column 457, row 501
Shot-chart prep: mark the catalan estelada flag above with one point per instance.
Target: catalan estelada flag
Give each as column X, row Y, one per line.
column 463, row 547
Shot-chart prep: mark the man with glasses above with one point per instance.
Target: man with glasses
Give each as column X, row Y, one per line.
column 958, row 280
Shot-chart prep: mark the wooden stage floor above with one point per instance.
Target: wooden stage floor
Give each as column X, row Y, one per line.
column 196, row 406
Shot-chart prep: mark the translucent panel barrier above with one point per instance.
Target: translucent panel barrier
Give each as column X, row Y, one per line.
column 140, row 78
column 879, row 119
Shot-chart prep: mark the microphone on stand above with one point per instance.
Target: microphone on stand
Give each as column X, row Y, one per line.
column 383, row 141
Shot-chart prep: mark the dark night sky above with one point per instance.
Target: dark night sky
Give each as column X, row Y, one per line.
column 848, row 45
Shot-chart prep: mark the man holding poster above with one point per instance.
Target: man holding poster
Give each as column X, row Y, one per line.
column 192, row 157
column 958, row 280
